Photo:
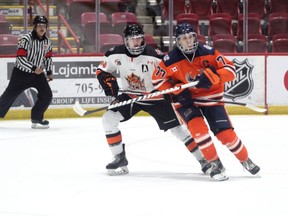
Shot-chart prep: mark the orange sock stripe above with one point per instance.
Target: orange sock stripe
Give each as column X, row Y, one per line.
column 209, row 152
column 199, row 130
column 114, row 139
column 206, row 146
column 191, row 145
column 235, row 147
column 233, row 143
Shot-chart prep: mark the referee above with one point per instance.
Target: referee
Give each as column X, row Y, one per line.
column 34, row 56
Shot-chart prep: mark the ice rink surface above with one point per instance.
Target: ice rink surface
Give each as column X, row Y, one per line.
column 61, row 171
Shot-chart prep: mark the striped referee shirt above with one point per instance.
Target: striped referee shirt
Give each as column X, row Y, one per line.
column 33, row 52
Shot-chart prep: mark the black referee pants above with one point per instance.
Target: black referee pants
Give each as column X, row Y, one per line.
column 21, row 81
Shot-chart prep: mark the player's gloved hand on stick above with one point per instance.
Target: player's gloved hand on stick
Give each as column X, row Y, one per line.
column 207, row 78
column 183, row 96
column 108, row 82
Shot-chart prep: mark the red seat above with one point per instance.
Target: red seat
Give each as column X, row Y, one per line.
column 203, row 8
column 257, row 43
column 120, row 19
column 220, row 23
column 108, row 41
column 277, row 24
column 231, row 7
column 254, row 25
column 201, row 39
column 278, row 6
column 224, row 43
column 88, row 20
column 150, row 40
column 112, row 6
column 191, row 18
column 180, row 6
column 77, row 7
column 4, row 25
column 8, row 44
column 257, row 6
column 280, row 43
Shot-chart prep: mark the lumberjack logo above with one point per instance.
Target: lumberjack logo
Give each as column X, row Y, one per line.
column 243, row 84
column 135, row 82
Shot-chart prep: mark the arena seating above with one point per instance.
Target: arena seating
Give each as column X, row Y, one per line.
column 108, row 41
column 254, row 26
column 191, row 18
column 88, row 21
column 220, row 23
column 280, row 43
column 224, row 43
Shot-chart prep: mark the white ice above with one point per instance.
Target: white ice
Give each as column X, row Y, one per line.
column 61, row 171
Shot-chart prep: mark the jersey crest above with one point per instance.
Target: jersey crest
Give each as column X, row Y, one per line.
column 135, row 82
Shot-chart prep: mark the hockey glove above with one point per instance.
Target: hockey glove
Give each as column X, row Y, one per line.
column 183, row 97
column 109, row 83
column 208, row 78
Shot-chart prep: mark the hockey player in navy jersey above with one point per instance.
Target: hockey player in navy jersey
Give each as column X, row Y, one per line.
column 190, row 61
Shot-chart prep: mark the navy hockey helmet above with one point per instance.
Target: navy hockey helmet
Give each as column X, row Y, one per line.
column 134, row 30
column 186, row 30
column 40, row 20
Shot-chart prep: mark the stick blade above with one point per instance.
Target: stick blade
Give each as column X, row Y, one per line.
column 78, row 109
column 257, row 109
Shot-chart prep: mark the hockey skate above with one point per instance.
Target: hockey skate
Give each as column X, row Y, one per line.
column 43, row 124
column 250, row 166
column 218, row 171
column 205, row 166
column 119, row 165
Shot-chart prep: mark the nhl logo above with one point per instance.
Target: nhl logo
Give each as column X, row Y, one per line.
column 243, row 84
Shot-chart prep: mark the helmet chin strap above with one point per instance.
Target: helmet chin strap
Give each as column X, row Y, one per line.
column 189, row 56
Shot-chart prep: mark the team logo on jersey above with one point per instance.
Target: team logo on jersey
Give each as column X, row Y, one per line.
column 21, row 43
column 144, row 68
column 117, row 62
column 243, row 84
column 166, row 58
column 159, row 52
column 103, row 64
column 135, row 82
column 45, row 46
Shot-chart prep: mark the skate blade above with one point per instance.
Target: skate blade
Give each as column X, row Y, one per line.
column 119, row 171
column 39, row 126
column 220, row 177
column 253, row 172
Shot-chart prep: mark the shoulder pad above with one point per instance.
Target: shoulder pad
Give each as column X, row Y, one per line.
column 204, row 49
column 119, row 49
column 151, row 51
column 173, row 56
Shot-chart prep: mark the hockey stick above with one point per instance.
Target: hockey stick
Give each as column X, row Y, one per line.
column 82, row 112
column 249, row 106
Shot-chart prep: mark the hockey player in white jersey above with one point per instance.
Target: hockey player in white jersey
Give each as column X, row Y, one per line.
column 135, row 61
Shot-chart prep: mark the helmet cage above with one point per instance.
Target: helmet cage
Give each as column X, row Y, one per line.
column 187, row 49
column 134, row 31
column 135, row 50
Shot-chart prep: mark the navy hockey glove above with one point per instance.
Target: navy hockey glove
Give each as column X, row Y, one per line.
column 208, row 78
column 184, row 98
column 109, row 83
